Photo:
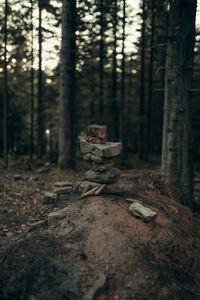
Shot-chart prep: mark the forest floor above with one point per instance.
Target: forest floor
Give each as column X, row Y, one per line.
column 98, row 250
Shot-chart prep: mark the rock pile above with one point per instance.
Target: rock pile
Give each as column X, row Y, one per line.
column 100, row 154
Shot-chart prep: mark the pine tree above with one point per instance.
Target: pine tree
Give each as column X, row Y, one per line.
column 176, row 167
column 67, row 134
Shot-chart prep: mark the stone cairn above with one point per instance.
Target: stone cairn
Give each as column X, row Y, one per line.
column 100, row 154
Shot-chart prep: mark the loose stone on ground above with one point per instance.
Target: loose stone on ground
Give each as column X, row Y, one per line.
column 63, row 190
column 49, row 198
column 145, row 213
column 62, row 184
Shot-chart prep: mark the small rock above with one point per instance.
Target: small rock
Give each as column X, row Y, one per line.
column 47, row 164
column 196, row 180
column 60, row 214
column 43, row 170
column 63, row 190
column 108, row 176
column 62, row 183
column 145, row 213
column 108, row 149
column 17, row 177
column 49, row 198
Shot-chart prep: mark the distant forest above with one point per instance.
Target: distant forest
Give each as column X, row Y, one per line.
column 110, row 80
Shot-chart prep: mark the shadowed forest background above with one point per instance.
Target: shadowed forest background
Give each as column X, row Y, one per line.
column 71, row 71
column 119, row 81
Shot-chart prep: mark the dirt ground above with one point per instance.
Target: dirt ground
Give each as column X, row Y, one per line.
column 97, row 240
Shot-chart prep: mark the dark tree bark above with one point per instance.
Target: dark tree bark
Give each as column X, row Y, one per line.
column 142, row 83
column 101, row 62
column 115, row 105
column 32, row 89
column 123, row 123
column 150, row 87
column 5, row 103
column 67, row 132
column 40, row 104
column 176, row 167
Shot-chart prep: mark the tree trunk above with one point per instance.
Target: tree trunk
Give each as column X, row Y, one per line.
column 5, row 103
column 67, row 132
column 114, row 104
column 40, row 108
column 150, row 88
column 176, row 166
column 123, row 122
column 101, row 62
column 32, row 90
column 142, row 83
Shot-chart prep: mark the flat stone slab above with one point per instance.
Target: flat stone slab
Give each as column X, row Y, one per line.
column 63, row 184
column 97, row 159
column 108, row 176
column 108, row 149
column 145, row 213
column 63, row 190
column 101, row 167
column 97, row 131
column 94, row 140
column 49, row 198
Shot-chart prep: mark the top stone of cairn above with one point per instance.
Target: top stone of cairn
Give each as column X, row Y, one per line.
column 97, row 131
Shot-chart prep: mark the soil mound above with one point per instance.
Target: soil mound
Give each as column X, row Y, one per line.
column 65, row 258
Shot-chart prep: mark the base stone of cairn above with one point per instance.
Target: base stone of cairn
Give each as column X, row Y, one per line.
column 100, row 154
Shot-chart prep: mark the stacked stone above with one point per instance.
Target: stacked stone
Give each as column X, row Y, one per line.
column 101, row 154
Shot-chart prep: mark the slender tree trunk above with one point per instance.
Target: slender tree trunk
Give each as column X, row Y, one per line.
column 5, row 104
column 32, row 89
column 123, row 122
column 101, row 62
column 142, row 82
column 40, row 108
column 176, row 166
column 114, row 105
column 67, row 130
column 150, row 88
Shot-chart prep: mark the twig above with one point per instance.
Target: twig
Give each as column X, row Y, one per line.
column 90, row 192
column 100, row 189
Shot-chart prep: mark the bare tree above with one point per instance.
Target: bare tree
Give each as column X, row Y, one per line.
column 176, row 166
